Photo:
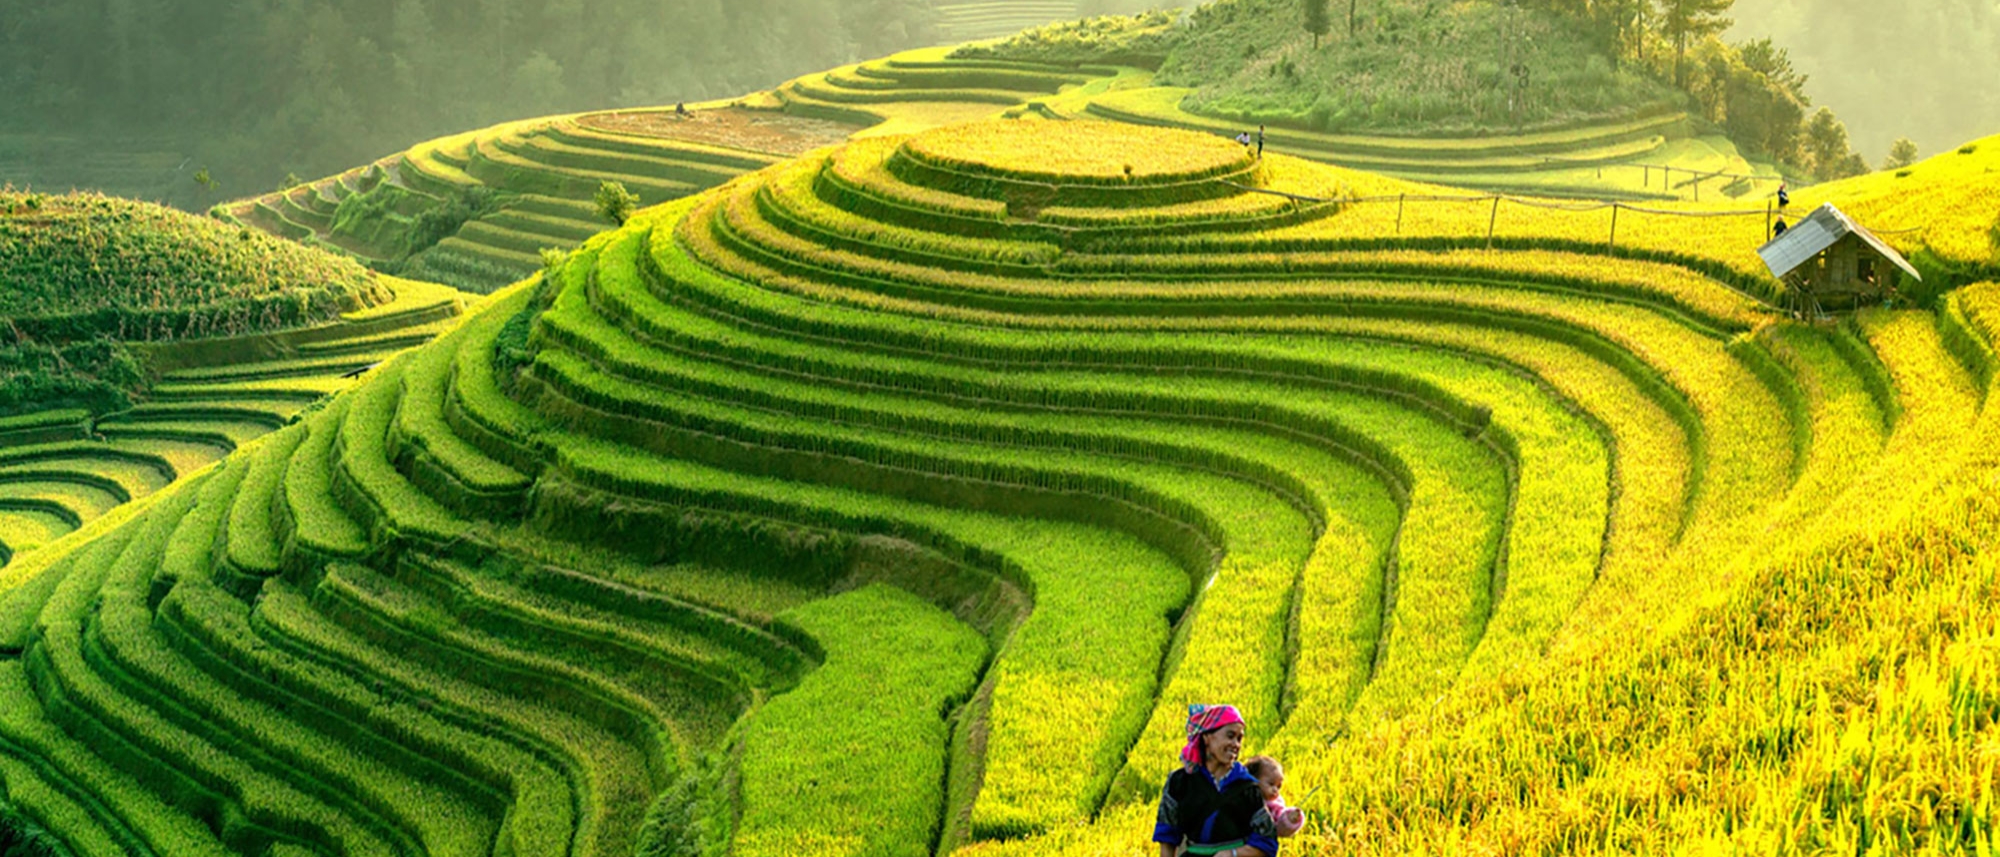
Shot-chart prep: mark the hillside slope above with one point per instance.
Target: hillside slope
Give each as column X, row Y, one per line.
column 965, row 433
column 475, row 209
column 1580, row 113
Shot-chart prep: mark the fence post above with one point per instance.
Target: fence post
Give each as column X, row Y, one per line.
column 1399, row 212
column 1613, row 246
column 1492, row 221
column 1767, row 221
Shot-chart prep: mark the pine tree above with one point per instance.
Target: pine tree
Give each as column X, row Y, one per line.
column 1318, row 21
column 1826, row 144
column 1902, row 154
column 1685, row 21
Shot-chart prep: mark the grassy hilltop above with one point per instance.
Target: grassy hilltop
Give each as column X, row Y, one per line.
column 82, row 265
column 952, row 420
column 1411, row 66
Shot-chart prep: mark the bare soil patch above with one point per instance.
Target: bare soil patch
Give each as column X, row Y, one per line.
column 735, row 127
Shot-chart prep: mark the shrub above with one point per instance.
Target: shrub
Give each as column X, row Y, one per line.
column 552, row 261
column 615, row 204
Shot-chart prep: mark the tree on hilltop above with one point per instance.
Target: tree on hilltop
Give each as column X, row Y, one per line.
column 1318, row 20
column 1775, row 64
column 1685, row 21
column 1616, row 22
column 1760, row 100
column 1827, row 147
column 1902, row 154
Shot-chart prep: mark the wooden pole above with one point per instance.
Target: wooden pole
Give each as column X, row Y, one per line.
column 1492, row 221
column 1614, row 226
column 1399, row 212
column 1767, row 220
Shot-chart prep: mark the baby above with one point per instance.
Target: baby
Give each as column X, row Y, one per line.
column 1271, row 781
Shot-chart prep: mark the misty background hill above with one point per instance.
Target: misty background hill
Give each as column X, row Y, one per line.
column 1922, row 69
column 135, row 97
column 139, row 97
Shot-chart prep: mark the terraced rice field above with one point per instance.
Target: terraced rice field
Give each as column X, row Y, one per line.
column 965, row 22
column 1650, row 158
column 921, row 89
column 931, row 442
column 61, row 471
column 545, row 171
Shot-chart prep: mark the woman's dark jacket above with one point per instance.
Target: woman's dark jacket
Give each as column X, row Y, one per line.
column 1205, row 812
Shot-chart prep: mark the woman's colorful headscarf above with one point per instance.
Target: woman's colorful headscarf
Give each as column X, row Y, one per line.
column 1203, row 719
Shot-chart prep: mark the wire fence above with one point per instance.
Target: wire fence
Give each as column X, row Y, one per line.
column 1694, row 179
column 1770, row 212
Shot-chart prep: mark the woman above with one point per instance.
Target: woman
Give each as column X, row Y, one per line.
column 1212, row 805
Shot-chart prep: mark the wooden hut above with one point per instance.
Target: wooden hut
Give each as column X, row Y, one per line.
column 1829, row 261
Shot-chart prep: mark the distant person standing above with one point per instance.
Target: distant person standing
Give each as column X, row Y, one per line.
column 1784, row 198
column 1260, row 142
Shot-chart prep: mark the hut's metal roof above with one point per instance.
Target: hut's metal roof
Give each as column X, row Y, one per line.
column 1818, row 231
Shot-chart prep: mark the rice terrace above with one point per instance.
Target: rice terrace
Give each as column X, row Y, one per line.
column 1531, row 424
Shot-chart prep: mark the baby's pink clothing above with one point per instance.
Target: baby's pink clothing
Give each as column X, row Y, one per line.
column 1288, row 818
